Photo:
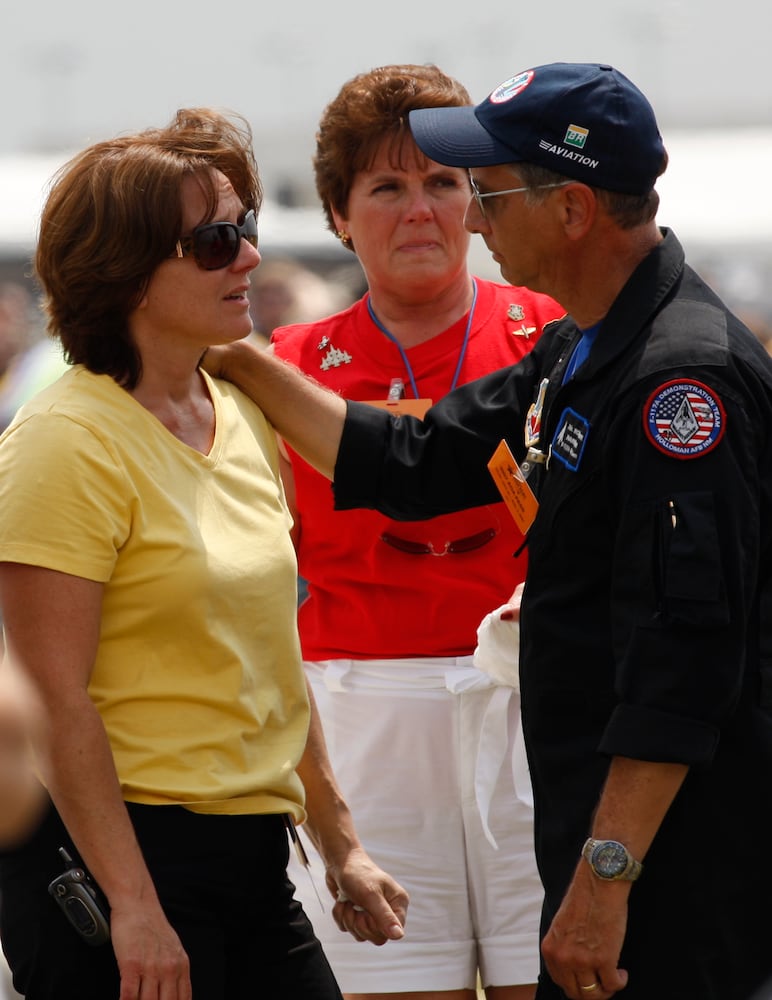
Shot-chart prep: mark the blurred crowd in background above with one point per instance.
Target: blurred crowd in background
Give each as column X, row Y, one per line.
column 289, row 290
column 283, row 290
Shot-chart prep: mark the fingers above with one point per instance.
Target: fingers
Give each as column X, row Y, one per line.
column 358, row 923
column 343, row 898
column 596, row 986
column 377, row 921
column 152, row 962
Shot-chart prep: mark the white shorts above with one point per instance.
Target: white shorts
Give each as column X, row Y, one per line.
column 426, row 771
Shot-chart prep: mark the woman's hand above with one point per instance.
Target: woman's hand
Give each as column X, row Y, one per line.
column 369, row 904
column 150, row 957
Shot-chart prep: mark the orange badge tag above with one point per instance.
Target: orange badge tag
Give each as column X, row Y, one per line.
column 515, row 491
column 415, row 407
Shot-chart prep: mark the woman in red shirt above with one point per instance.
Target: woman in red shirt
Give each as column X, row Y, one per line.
column 427, row 748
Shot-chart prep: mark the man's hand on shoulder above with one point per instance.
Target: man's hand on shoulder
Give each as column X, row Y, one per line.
column 222, row 360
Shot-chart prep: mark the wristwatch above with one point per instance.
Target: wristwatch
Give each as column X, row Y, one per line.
column 611, row 860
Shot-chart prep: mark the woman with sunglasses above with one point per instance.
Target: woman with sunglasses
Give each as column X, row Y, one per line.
column 389, row 625
column 147, row 581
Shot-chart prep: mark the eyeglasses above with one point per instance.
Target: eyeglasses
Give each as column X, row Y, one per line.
column 217, row 244
column 457, row 547
column 478, row 195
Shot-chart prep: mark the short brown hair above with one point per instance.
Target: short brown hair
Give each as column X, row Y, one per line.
column 368, row 108
column 114, row 213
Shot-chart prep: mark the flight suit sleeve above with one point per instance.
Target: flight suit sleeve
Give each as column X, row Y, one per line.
column 686, row 557
column 410, row 469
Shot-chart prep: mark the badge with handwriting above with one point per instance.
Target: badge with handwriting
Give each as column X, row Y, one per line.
column 514, row 490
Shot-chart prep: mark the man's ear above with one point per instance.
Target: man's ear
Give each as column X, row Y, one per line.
column 579, row 208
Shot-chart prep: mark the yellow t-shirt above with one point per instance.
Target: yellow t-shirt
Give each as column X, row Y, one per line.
column 198, row 676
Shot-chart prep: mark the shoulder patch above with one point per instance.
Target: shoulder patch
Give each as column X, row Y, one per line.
column 684, row 419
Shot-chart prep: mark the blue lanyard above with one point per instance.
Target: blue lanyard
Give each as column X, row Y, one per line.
column 401, row 349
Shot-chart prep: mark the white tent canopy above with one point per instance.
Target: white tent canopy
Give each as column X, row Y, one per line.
column 24, row 182
column 712, row 192
column 711, row 195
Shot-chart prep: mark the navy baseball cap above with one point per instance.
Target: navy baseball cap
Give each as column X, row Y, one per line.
column 586, row 121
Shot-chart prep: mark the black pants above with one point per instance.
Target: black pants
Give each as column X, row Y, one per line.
column 223, row 885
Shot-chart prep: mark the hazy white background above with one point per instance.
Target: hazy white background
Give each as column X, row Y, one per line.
column 76, row 72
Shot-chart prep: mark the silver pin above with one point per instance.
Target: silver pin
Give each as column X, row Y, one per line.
column 334, row 358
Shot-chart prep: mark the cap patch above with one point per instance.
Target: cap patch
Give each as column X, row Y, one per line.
column 511, row 88
column 684, row 419
column 576, row 136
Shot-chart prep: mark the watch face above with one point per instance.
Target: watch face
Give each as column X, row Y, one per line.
column 609, row 859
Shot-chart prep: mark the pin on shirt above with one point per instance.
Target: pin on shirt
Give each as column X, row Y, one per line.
column 534, row 415
column 334, row 358
column 517, row 314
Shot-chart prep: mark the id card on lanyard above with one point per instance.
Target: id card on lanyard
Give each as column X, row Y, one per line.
column 515, row 491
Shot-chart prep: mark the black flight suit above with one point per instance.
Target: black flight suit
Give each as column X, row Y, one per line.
column 646, row 627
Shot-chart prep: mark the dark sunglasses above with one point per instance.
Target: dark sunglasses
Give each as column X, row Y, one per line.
column 456, row 547
column 217, row 244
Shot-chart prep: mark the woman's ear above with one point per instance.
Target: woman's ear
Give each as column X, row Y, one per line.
column 341, row 223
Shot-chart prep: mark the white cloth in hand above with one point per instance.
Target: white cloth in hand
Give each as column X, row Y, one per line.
column 498, row 648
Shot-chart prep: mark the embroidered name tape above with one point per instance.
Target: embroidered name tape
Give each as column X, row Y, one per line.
column 570, row 439
column 684, row 419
